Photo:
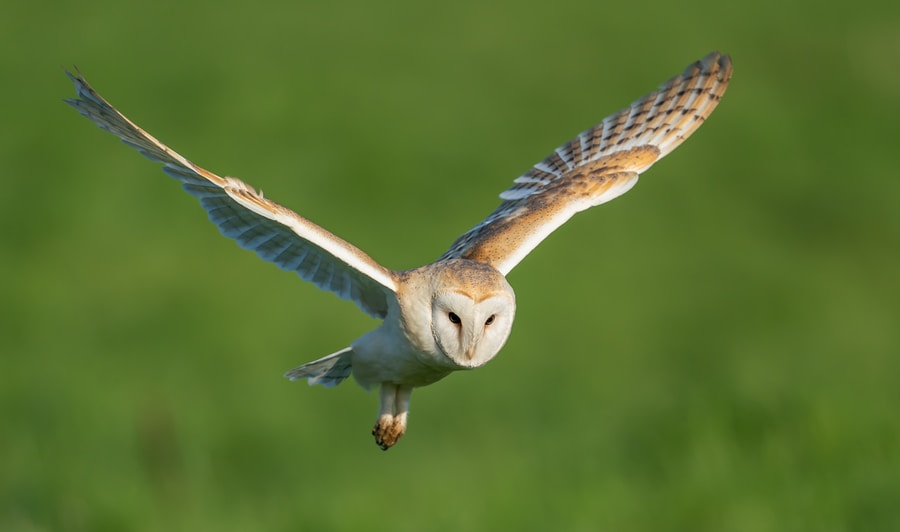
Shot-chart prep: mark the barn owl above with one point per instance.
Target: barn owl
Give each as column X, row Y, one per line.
column 457, row 312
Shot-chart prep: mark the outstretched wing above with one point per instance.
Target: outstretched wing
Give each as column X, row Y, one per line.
column 274, row 232
column 597, row 166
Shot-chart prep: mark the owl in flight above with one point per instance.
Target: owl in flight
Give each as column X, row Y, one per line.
column 455, row 313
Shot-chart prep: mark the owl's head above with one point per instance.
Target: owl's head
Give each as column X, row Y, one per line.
column 472, row 311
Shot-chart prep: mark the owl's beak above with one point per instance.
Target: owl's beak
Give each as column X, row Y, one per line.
column 470, row 352
column 468, row 341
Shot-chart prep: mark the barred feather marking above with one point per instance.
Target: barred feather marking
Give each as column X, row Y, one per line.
column 612, row 154
column 274, row 232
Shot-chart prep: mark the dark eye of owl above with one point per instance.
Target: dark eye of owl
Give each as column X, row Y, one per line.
column 454, row 318
column 490, row 320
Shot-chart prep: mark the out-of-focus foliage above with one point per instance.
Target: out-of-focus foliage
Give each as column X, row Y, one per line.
column 716, row 350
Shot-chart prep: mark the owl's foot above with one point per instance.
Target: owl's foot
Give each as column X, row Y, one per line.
column 388, row 430
column 391, row 424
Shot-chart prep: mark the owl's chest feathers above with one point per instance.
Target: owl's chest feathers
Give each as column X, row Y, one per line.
column 401, row 351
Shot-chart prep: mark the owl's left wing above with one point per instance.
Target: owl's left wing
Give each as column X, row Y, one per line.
column 597, row 166
column 274, row 232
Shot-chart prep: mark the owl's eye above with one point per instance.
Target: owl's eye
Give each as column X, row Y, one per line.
column 454, row 318
column 490, row 320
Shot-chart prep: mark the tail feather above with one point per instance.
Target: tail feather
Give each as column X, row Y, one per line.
column 328, row 371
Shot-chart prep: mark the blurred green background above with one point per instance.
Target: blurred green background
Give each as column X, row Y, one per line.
column 716, row 350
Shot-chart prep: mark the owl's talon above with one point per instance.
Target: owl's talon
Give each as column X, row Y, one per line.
column 388, row 431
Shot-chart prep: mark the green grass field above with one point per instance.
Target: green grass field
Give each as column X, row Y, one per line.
column 718, row 350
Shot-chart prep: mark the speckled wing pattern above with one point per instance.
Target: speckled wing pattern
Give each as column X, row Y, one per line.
column 274, row 232
column 597, row 166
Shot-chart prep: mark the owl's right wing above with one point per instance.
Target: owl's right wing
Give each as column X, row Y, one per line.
column 274, row 232
column 597, row 166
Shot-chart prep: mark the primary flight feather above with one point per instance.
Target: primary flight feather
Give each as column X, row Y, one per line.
column 457, row 312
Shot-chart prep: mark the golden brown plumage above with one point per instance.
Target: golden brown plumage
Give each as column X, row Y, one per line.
column 457, row 312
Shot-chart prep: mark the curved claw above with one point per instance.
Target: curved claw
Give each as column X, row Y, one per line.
column 388, row 430
column 391, row 424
